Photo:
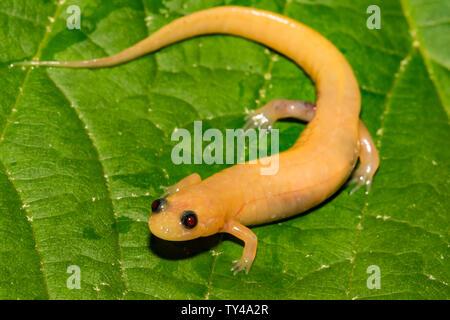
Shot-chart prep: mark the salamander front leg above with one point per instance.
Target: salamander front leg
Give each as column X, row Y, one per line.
column 250, row 244
column 189, row 180
column 369, row 161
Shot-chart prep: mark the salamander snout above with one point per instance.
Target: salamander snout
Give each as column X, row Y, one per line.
column 170, row 221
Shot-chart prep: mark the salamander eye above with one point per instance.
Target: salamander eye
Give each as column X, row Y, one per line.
column 189, row 219
column 159, row 205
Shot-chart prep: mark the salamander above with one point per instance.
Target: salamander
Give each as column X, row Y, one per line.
column 315, row 167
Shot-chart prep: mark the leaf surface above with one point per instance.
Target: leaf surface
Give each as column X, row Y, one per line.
column 84, row 152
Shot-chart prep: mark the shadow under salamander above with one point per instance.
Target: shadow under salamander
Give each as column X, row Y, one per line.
column 176, row 250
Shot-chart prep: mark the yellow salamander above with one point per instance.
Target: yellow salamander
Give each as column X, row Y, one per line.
column 316, row 166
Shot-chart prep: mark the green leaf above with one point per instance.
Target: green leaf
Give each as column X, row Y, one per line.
column 84, row 152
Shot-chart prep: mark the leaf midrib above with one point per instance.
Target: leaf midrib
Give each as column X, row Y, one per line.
column 48, row 30
column 107, row 183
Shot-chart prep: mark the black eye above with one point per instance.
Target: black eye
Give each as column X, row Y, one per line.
column 189, row 219
column 159, row 205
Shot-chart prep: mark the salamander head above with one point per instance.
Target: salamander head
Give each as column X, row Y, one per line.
column 183, row 216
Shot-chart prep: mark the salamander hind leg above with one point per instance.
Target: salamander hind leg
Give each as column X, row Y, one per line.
column 369, row 161
column 265, row 117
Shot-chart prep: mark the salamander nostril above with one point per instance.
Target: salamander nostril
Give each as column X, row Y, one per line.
column 159, row 205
